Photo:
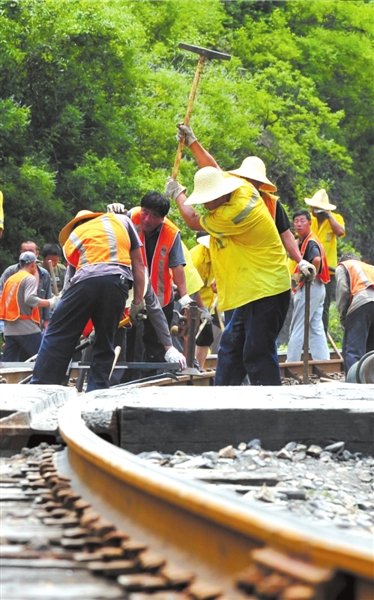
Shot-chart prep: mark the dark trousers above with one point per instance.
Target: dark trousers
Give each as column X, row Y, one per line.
column 103, row 300
column 248, row 343
column 358, row 334
column 329, row 297
column 18, row 348
column 154, row 351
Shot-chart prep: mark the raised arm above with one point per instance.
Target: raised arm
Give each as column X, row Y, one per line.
column 201, row 155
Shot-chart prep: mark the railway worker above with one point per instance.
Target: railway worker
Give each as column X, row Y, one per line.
column 250, row 268
column 328, row 226
column 253, row 169
column 312, row 250
column 42, row 276
column 202, row 260
column 355, row 304
column 52, row 252
column 19, row 309
column 104, row 249
column 163, row 256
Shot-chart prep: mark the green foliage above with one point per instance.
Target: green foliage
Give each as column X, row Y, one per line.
column 91, row 91
column 335, row 328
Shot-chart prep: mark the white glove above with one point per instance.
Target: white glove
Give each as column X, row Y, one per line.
column 174, row 356
column 185, row 301
column 53, row 302
column 135, row 309
column 205, row 315
column 186, row 134
column 117, row 208
column 173, row 188
column 307, row 270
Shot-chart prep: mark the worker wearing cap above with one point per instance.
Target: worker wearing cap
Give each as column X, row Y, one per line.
column 42, row 277
column 355, row 304
column 19, row 309
column 104, row 251
column 250, row 268
column 328, row 226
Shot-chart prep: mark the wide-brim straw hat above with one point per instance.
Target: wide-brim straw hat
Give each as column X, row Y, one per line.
column 82, row 215
column 254, row 168
column 211, row 183
column 320, row 200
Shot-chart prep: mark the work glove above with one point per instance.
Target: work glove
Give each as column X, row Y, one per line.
column 135, row 310
column 174, row 356
column 53, row 302
column 185, row 134
column 307, row 270
column 205, row 315
column 185, row 301
column 117, row 208
column 173, row 188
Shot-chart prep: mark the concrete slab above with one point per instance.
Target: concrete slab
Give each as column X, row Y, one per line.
column 29, row 410
column 200, row 419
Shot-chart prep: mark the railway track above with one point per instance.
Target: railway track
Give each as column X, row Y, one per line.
column 330, row 369
column 158, row 536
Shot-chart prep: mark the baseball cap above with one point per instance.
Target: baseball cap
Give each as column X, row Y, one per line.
column 27, row 257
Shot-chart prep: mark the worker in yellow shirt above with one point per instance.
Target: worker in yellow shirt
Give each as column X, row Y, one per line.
column 250, row 268
column 328, row 226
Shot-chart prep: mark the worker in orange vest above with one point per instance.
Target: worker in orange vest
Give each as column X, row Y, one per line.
column 19, row 309
column 355, row 303
column 312, row 250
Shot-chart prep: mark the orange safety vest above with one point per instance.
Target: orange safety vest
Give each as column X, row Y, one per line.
column 103, row 239
column 159, row 271
column 270, row 201
column 361, row 275
column 10, row 309
column 324, row 272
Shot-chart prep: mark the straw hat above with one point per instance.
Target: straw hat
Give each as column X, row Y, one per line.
column 211, row 183
column 253, row 167
column 82, row 215
column 320, row 200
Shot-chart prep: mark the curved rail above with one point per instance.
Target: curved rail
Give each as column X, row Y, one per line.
column 211, row 533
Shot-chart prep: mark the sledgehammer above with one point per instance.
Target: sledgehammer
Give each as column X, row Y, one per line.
column 205, row 54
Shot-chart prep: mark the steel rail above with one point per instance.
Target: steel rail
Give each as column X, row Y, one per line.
column 210, row 532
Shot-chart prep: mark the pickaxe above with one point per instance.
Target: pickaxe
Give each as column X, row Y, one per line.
column 205, row 54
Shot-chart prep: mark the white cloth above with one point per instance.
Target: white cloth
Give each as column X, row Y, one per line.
column 318, row 347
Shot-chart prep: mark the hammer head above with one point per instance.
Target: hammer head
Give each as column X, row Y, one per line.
column 211, row 54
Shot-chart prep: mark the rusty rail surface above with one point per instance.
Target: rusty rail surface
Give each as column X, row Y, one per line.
column 230, row 549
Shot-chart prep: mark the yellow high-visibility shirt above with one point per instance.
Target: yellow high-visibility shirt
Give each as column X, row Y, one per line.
column 249, row 260
column 194, row 283
column 328, row 238
column 203, row 263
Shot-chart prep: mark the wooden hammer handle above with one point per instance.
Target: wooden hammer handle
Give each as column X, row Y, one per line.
column 186, row 121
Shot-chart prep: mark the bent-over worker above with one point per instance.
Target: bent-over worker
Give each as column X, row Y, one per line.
column 104, row 250
column 355, row 304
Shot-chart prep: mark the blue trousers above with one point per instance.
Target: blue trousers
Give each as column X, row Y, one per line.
column 358, row 334
column 248, row 343
column 18, row 348
column 103, row 300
